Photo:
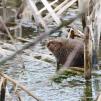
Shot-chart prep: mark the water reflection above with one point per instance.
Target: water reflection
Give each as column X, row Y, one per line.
column 87, row 92
column 91, row 89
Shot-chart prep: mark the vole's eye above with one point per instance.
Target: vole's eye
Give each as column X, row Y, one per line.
column 54, row 45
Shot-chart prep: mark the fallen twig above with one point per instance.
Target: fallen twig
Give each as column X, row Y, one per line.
column 71, row 70
column 77, row 69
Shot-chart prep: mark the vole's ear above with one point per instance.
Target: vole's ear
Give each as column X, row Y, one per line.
column 72, row 34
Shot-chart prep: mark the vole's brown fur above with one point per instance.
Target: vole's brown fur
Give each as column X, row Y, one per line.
column 61, row 48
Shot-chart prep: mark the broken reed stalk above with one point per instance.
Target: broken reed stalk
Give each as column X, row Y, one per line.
column 20, row 86
column 3, row 89
column 1, row 81
column 87, row 54
column 42, row 36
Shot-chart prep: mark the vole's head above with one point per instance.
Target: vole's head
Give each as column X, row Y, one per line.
column 54, row 46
